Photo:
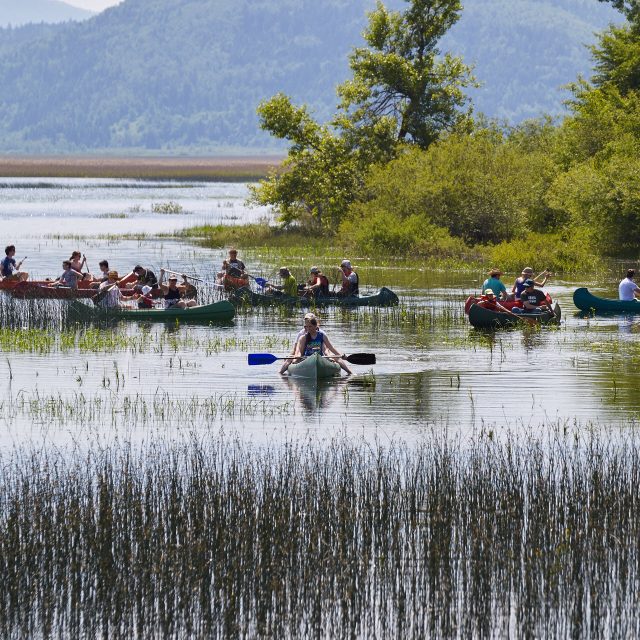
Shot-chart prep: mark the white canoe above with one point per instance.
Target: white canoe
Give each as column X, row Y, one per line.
column 314, row 367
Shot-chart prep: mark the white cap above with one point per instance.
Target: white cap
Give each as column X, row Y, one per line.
column 346, row 263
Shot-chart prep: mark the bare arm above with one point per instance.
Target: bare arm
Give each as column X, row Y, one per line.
column 330, row 347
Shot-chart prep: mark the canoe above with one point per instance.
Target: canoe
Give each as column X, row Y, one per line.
column 507, row 304
column 482, row 318
column 232, row 283
column 384, row 298
column 314, row 367
column 215, row 312
column 586, row 301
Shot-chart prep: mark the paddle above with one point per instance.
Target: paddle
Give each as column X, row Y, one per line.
column 354, row 358
column 261, row 282
column 209, row 284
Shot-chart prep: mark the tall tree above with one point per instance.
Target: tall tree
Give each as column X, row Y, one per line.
column 400, row 75
column 401, row 91
column 630, row 8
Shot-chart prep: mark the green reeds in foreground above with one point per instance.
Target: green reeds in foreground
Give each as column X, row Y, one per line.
column 487, row 539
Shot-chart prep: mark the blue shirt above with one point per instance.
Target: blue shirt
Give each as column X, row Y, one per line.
column 8, row 266
column 314, row 345
column 495, row 284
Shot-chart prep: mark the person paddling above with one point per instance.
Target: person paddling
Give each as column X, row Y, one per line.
column 314, row 342
column 69, row 277
column 533, row 299
column 527, row 274
column 318, row 285
column 628, row 289
column 289, row 286
column 174, row 295
column 489, row 301
column 9, row 270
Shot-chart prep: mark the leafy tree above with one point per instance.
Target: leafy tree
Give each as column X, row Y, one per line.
column 630, row 8
column 399, row 75
column 400, row 92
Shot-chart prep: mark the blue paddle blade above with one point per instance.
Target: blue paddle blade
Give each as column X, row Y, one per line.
column 261, row 358
column 261, row 282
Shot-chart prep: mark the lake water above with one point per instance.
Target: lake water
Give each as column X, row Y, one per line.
column 433, row 370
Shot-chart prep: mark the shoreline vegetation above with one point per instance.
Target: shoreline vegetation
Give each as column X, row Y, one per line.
column 215, row 168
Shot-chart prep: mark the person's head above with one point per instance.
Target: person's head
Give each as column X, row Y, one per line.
column 233, row 253
column 284, row 272
column 113, row 275
column 308, row 317
column 75, row 255
column 489, row 293
column 495, row 273
column 104, row 266
column 173, row 281
column 631, row 274
column 313, row 324
column 529, row 284
column 345, row 265
column 10, row 250
column 66, row 264
column 314, row 271
column 138, row 270
column 527, row 272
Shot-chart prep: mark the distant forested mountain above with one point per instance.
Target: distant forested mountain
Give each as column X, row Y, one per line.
column 19, row 12
column 167, row 74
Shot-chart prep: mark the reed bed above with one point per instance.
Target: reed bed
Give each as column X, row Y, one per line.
column 518, row 538
column 89, row 339
column 116, row 408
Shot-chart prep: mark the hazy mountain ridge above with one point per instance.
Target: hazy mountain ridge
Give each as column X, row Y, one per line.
column 20, row 12
column 156, row 73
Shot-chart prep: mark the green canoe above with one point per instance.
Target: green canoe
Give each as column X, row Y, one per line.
column 482, row 318
column 586, row 301
column 384, row 298
column 215, row 312
column 314, row 367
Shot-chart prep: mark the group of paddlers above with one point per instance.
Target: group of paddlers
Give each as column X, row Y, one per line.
column 142, row 282
column 523, row 291
column 317, row 284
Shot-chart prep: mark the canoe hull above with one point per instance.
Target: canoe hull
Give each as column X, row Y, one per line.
column 384, row 298
column 586, row 301
column 216, row 312
column 482, row 318
column 314, row 367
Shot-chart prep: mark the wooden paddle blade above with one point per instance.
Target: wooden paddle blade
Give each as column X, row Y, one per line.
column 361, row 358
column 261, row 358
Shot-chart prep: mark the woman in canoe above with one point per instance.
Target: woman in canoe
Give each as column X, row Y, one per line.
column 173, row 294
column 314, row 341
column 78, row 261
column 527, row 274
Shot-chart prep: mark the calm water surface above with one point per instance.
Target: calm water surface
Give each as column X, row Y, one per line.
column 432, row 373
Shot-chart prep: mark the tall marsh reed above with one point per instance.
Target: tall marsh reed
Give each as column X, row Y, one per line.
column 515, row 538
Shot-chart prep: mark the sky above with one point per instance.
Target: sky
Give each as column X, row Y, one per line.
column 93, row 5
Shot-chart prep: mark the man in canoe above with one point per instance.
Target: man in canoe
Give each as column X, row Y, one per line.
column 533, row 300
column 69, row 277
column 145, row 277
column 350, row 281
column 628, row 289
column 232, row 266
column 289, row 286
column 109, row 295
column 9, row 270
column 494, row 283
column 314, row 341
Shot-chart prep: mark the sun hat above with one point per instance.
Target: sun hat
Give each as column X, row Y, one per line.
column 346, row 263
column 173, row 278
column 283, row 270
column 314, row 270
column 527, row 271
column 489, row 292
column 495, row 272
column 529, row 283
column 113, row 274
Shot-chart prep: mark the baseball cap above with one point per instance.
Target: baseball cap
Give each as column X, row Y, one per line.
column 346, row 263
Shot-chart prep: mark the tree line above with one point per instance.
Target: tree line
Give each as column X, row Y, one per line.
column 405, row 165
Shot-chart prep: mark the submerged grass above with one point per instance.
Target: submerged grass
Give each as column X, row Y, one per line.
column 523, row 538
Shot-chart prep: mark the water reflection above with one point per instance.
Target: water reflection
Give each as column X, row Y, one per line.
column 314, row 396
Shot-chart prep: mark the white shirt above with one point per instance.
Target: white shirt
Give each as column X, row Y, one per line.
column 626, row 289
